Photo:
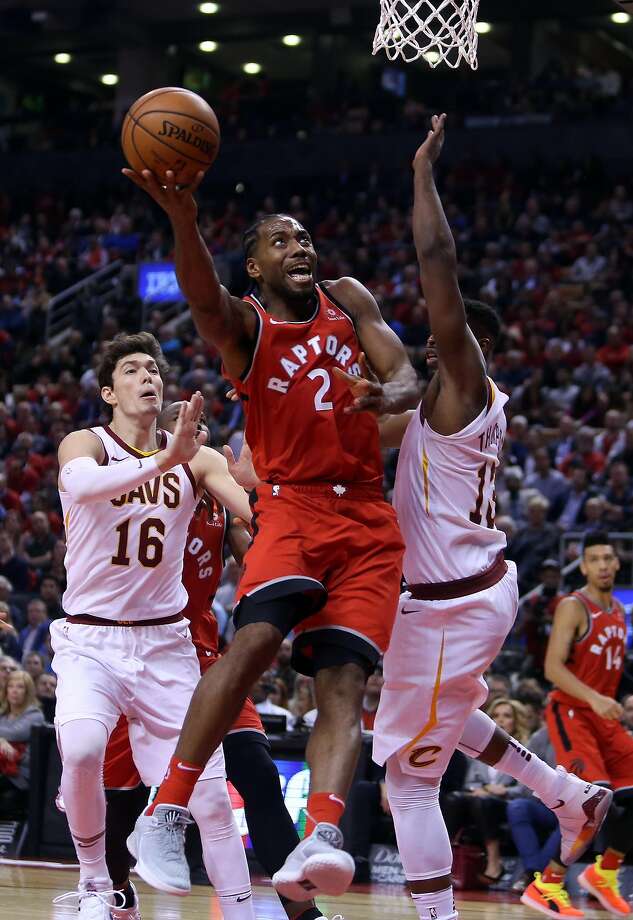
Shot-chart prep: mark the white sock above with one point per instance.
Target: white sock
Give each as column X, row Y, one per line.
column 425, row 849
column 533, row 772
column 435, row 905
column 82, row 746
column 517, row 761
column 222, row 849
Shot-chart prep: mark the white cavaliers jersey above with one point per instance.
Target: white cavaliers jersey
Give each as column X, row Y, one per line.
column 444, row 496
column 124, row 557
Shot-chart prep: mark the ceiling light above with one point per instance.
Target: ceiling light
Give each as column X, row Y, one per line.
column 208, row 8
column 208, row 46
column 63, row 57
column 482, row 28
column 291, row 41
column 252, row 68
column 110, row 79
column 431, row 57
column 620, row 19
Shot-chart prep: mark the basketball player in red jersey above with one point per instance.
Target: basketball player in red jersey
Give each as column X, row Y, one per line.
column 326, row 557
column 249, row 765
column 584, row 661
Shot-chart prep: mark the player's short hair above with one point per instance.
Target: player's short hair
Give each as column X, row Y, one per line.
column 122, row 345
column 483, row 319
column 250, row 236
column 597, row 538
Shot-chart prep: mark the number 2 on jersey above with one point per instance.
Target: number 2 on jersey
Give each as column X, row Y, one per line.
column 150, row 546
column 477, row 515
column 320, row 403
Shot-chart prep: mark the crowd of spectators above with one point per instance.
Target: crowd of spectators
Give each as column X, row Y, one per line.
column 551, row 248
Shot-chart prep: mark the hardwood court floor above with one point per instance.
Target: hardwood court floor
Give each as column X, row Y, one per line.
column 26, row 893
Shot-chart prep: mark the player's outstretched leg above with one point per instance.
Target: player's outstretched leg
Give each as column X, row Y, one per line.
column 319, row 865
column 580, row 807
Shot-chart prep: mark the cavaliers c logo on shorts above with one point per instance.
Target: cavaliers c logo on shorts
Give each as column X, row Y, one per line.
column 424, row 756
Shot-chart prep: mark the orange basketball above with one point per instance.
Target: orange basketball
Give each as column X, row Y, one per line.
column 171, row 128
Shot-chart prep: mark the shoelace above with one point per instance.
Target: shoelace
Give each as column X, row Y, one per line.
column 553, row 889
column 175, row 823
column 103, row 896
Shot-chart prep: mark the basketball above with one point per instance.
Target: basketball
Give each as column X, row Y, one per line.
column 171, row 128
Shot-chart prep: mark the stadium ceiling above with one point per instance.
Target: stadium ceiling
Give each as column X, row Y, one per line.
column 94, row 31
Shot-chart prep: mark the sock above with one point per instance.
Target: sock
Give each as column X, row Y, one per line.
column 82, row 744
column 612, row 859
column 552, row 876
column 529, row 769
column 178, row 785
column 312, row 913
column 435, row 905
column 222, row 849
column 128, row 895
column 323, row 806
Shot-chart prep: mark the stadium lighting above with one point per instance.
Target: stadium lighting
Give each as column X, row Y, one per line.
column 110, row 79
column 291, row 41
column 208, row 46
column 620, row 19
column 208, row 9
column 482, row 28
column 431, row 57
column 252, row 68
column 63, row 57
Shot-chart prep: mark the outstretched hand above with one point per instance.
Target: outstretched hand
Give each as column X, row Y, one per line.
column 367, row 389
column 430, row 150
column 242, row 469
column 188, row 438
column 178, row 202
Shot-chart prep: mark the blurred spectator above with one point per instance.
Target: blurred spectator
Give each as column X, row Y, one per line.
column 512, row 500
column 260, row 696
column 549, row 482
column 50, row 593
column 45, row 687
column 9, row 644
column 498, row 685
column 21, row 712
column 279, row 693
column 302, row 700
column 579, row 492
column 537, row 612
column 33, row 636
column 282, row 667
column 619, row 497
column 33, row 663
column 537, row 540
column 37, row 545
column 7, row 666
column 11, row 565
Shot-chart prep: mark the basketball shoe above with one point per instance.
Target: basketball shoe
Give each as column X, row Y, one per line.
column 92, row 902
column 549, row 898
column 603, row 885
column 127, row 913
column 317, row 866
column 158, row 845
column 581, row 809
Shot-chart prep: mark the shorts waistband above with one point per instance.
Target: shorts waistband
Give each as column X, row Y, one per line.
column 356, row 491
column 85, row 619
column 461, row 587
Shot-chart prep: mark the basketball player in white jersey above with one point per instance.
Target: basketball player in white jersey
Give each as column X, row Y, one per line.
column 128, row 492
column 462, row 596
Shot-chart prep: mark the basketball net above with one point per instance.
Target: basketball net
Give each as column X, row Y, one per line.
column 439, row 31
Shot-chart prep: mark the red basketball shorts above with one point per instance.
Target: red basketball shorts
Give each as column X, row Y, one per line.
column 595, row 749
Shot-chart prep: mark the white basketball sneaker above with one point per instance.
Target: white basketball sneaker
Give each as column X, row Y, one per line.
column 581, row 809
column 158, row 845
column 127, row 913
column 92, row 902
column 317, row 866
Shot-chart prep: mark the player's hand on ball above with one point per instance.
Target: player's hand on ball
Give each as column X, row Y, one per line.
column 367, row 390
column 177, row 202
column 430, row 150
column 242, row 470
column 605, row 707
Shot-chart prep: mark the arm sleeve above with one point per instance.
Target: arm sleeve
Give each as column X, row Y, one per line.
column 86, row 482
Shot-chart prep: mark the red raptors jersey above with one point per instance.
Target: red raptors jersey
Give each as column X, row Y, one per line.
column 295, row 423
column 597, row 659
column 202, row 568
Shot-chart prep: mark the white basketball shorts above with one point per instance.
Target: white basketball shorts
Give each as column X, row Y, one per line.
column 433, row 670
column 147, row 673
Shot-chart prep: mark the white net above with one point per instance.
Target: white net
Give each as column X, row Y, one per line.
column 442, row 31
